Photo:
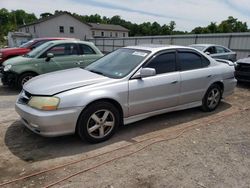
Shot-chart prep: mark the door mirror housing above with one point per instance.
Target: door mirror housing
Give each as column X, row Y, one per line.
column 208, row 53
column 49, row 56
column 145, row 72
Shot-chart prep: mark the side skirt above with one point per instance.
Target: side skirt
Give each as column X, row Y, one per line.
column 139, row 117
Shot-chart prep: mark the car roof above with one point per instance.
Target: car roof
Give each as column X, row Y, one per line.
column 70, row 41
column 156, row 47
column 53, row 38
column 205, row 45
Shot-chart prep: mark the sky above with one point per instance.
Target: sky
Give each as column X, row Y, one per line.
column 187, row 14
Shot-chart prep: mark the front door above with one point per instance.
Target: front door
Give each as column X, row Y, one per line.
column 156, row 92
column 65, row 56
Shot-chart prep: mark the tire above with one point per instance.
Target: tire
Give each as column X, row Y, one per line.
column 24, row 78
column 212, row 98
column 98, row 122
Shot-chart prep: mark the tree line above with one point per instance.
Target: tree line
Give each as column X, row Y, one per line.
column 10, row 20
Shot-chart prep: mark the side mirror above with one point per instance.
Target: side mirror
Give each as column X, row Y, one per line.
column 208, row 53
column 49, row 56
column 145, row 72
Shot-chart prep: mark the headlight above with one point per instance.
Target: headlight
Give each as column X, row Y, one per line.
column 44, row 103
column 7, row 68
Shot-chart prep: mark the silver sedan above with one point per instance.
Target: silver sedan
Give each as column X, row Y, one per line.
column 125, row 86
column 216, row 51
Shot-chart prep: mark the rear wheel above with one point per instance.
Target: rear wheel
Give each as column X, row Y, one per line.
column 212, row 98
column 24, row 78
column 98, row 122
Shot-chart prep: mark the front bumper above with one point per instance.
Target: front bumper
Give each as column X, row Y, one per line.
column 242, row 76
column 8, row 78
column 49, row 123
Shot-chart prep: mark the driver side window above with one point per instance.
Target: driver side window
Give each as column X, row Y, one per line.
column 211, row 50
column 62, row 50
column 163, row 63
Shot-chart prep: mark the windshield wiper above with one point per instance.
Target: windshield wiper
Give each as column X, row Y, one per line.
column 97, row 72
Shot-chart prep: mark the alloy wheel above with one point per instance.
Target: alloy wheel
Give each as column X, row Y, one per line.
column 100, row 123
column 213, row 98
column 25, row 79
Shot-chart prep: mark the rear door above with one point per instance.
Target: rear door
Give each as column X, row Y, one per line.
column 87, row 55
column 195, row 75
column 156, row 92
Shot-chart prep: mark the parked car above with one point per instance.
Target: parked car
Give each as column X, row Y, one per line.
column 51, row 56
column 7, row 53
column 242, row 70
column 125, row 86
column 216, row 51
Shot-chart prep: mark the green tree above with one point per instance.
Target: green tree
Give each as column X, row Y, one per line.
column 46, row 14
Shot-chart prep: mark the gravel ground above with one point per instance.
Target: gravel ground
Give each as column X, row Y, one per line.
column 189, row 148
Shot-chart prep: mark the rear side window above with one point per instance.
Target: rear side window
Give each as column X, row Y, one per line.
column 163, row 63
column 85, row 49
column 205, row 62
column 189, row 61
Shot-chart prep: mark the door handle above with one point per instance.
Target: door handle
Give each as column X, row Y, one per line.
column 209, row 76
column 81, row 62
column 77, row 63
column 174, row 82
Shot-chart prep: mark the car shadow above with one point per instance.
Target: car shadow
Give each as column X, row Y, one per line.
column 243, row 85
column 8, row 91
column 31, row 147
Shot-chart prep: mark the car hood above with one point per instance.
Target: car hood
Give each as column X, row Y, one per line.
column 4, row 50
column 245, row 60
column 17, row 60
column 59, row 81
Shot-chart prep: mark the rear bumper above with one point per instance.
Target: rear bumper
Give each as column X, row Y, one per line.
column 229, row 85
column 49, row 123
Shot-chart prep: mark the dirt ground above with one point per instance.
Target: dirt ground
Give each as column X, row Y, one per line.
column 189, row 148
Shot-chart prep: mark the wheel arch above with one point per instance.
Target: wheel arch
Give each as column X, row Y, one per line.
column 21, row 74
column 220, row 84
column 109, row 100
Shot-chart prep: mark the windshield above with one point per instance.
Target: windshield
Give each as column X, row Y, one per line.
column 119, row 63
column 26, row 44
column 200, row 48
column 37, row 50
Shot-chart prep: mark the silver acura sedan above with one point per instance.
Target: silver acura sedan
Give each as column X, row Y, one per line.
column 216, row 51
column 125, row 86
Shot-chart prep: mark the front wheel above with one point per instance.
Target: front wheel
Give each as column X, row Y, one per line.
column 24, row 78
column 212, row 98
column 98, row 122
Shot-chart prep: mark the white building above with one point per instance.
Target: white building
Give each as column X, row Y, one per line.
column 18, row 38
column 66, row 25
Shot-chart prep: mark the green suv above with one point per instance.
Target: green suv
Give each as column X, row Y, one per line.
column 51, row 56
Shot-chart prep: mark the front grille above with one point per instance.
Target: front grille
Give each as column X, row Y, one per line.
column 243, row 67
column 24, row 97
